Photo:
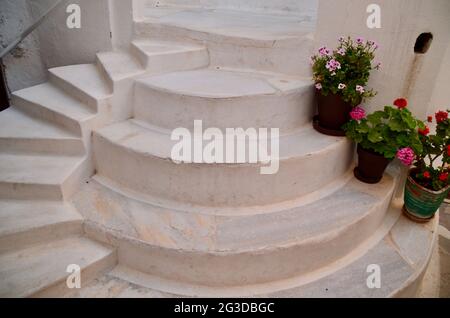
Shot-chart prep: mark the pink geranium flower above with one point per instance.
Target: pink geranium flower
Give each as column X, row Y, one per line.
column 324, row 51
column 341, row 51
column 333, row 65
column 319, row 86
column 358, row 113
column 406, row 156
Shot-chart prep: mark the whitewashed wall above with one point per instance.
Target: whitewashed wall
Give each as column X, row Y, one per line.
column 404, row 73
column 441, row 93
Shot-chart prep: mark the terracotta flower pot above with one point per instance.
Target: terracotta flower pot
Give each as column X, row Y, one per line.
column 421, row 204
column 371, row 166
column 333, row 114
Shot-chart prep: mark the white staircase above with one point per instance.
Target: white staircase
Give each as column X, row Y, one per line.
column 86, row 176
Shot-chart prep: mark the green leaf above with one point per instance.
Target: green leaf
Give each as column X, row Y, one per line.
column 396, row 125
column 375, row 136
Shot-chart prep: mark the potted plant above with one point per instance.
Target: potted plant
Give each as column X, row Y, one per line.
column 428, row 182
column 379, row 137
column 340, row 78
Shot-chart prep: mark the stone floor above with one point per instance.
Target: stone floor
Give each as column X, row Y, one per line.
column 437, row 279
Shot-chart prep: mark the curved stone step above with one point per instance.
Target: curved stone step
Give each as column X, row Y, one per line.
column 49, row 103
column 118, row 66
column 237, row 39
column 41, row 270
column 40, row 177
column 22, row 133
column 224, row 99
column 146, row 154
column 265, row 245
column 160, row 57
column 285, row 6
column 24, row 223
column 402, row 263
column 85, row 81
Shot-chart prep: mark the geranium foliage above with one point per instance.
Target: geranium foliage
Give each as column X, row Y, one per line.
column 433, row 162
column 388, row 132
column 346, row 70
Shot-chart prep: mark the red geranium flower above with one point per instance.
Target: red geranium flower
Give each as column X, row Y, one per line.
column 430, row 119
column 441, row 116
column 444, row 176
column 425, row 131
column 448, row 150
column 401, row 103
column 427, row 175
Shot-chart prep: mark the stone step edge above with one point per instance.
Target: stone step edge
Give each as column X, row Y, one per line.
column 143, row 26
column 302, row 84
column 165, row 135
column 369, row 215
column 190, row 290
column 51, row 114
column 111, row 236
column 26, row 237
column 88, row 274
column 412, row 285
column 223, row 211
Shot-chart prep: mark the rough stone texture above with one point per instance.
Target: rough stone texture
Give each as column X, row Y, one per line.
column 24, row 66
column 34, row 269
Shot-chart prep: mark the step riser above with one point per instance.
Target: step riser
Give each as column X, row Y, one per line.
column 28, row 191
column 70, row 89
column 78, row 177
column 40, row 235
column 46, row 114
column 285, row 6
column 42, row 146
column 225, row 51
column 245, row 268
column 104, row 72
column 288, row 111
column 344, row 279
column 171, row 62
column 21, row 191
column 220, row 185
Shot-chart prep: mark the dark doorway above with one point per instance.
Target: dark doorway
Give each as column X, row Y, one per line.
column 4, row 95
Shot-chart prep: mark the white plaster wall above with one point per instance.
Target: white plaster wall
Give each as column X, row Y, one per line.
column 121, row 22
column 63, row 46
column 404, row 73
column 23, row 67
column 441, row 94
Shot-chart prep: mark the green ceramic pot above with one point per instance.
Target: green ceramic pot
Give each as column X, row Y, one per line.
column 421, row 204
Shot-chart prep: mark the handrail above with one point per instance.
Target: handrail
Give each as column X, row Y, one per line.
column 28, row 30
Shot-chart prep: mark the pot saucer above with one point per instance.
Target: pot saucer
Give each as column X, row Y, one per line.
column 364, row 179
column 327, row 131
